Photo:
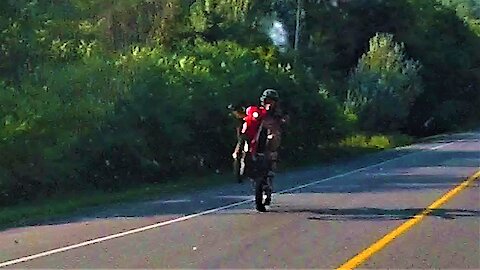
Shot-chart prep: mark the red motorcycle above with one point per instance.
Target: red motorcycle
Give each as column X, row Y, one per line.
column 250, row 155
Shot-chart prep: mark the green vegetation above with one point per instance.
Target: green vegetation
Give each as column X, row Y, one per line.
column 107, row 95
column 383, row 85
column 75, row 203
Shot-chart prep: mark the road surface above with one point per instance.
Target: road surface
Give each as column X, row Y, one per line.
column 365, row 213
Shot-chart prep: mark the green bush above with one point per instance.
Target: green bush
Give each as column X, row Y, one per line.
column 383, row 85
column 174, row 119
column 43, row 119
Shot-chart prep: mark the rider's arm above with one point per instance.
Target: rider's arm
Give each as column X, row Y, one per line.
column 236, row 111
column 239, row 114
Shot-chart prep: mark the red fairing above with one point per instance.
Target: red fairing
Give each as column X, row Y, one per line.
column 252, row 124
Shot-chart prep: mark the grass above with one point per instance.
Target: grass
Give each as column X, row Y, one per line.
column 376, row 141
column 33, row 212
column 350, row 147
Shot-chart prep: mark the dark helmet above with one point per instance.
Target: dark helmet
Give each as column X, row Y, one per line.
column 269, row 94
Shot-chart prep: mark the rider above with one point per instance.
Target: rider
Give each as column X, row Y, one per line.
column 271, row 116
column 273, row 120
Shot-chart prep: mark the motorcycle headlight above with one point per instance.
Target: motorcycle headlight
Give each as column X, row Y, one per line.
column 255, row 115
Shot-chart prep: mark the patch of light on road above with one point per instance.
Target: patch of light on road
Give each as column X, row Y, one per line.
column 171, row 201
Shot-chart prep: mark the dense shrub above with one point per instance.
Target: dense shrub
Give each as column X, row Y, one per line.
column 384, row 85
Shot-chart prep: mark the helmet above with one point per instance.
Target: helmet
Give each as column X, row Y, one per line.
column 269, row 94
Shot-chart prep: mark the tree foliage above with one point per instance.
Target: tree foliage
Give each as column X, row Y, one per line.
column 384, row 85
column 103, row 93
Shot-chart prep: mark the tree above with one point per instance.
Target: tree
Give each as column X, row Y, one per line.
column 383, row 85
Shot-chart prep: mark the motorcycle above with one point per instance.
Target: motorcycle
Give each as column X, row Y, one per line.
column 250, row 158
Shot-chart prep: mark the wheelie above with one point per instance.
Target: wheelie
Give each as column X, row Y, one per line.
column 255, row 155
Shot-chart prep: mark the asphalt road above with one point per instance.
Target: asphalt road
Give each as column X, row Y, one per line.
column 322, row 217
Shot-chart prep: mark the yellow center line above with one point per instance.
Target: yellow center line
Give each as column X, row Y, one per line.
column 380, row 244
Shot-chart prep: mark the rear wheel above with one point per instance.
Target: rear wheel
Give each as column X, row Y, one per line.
column 259, row 191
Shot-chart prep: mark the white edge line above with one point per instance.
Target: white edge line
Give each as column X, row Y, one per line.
column 165, row 223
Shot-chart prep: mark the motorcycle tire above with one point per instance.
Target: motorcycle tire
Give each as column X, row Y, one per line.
column 259, row 189
column 268, row 191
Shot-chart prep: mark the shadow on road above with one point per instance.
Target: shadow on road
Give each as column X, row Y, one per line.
column 383, row 214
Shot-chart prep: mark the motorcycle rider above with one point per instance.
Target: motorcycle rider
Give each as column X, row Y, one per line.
column 272, row 118
column 273, row 121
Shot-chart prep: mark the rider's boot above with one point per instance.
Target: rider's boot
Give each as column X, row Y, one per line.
column 270, row 176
